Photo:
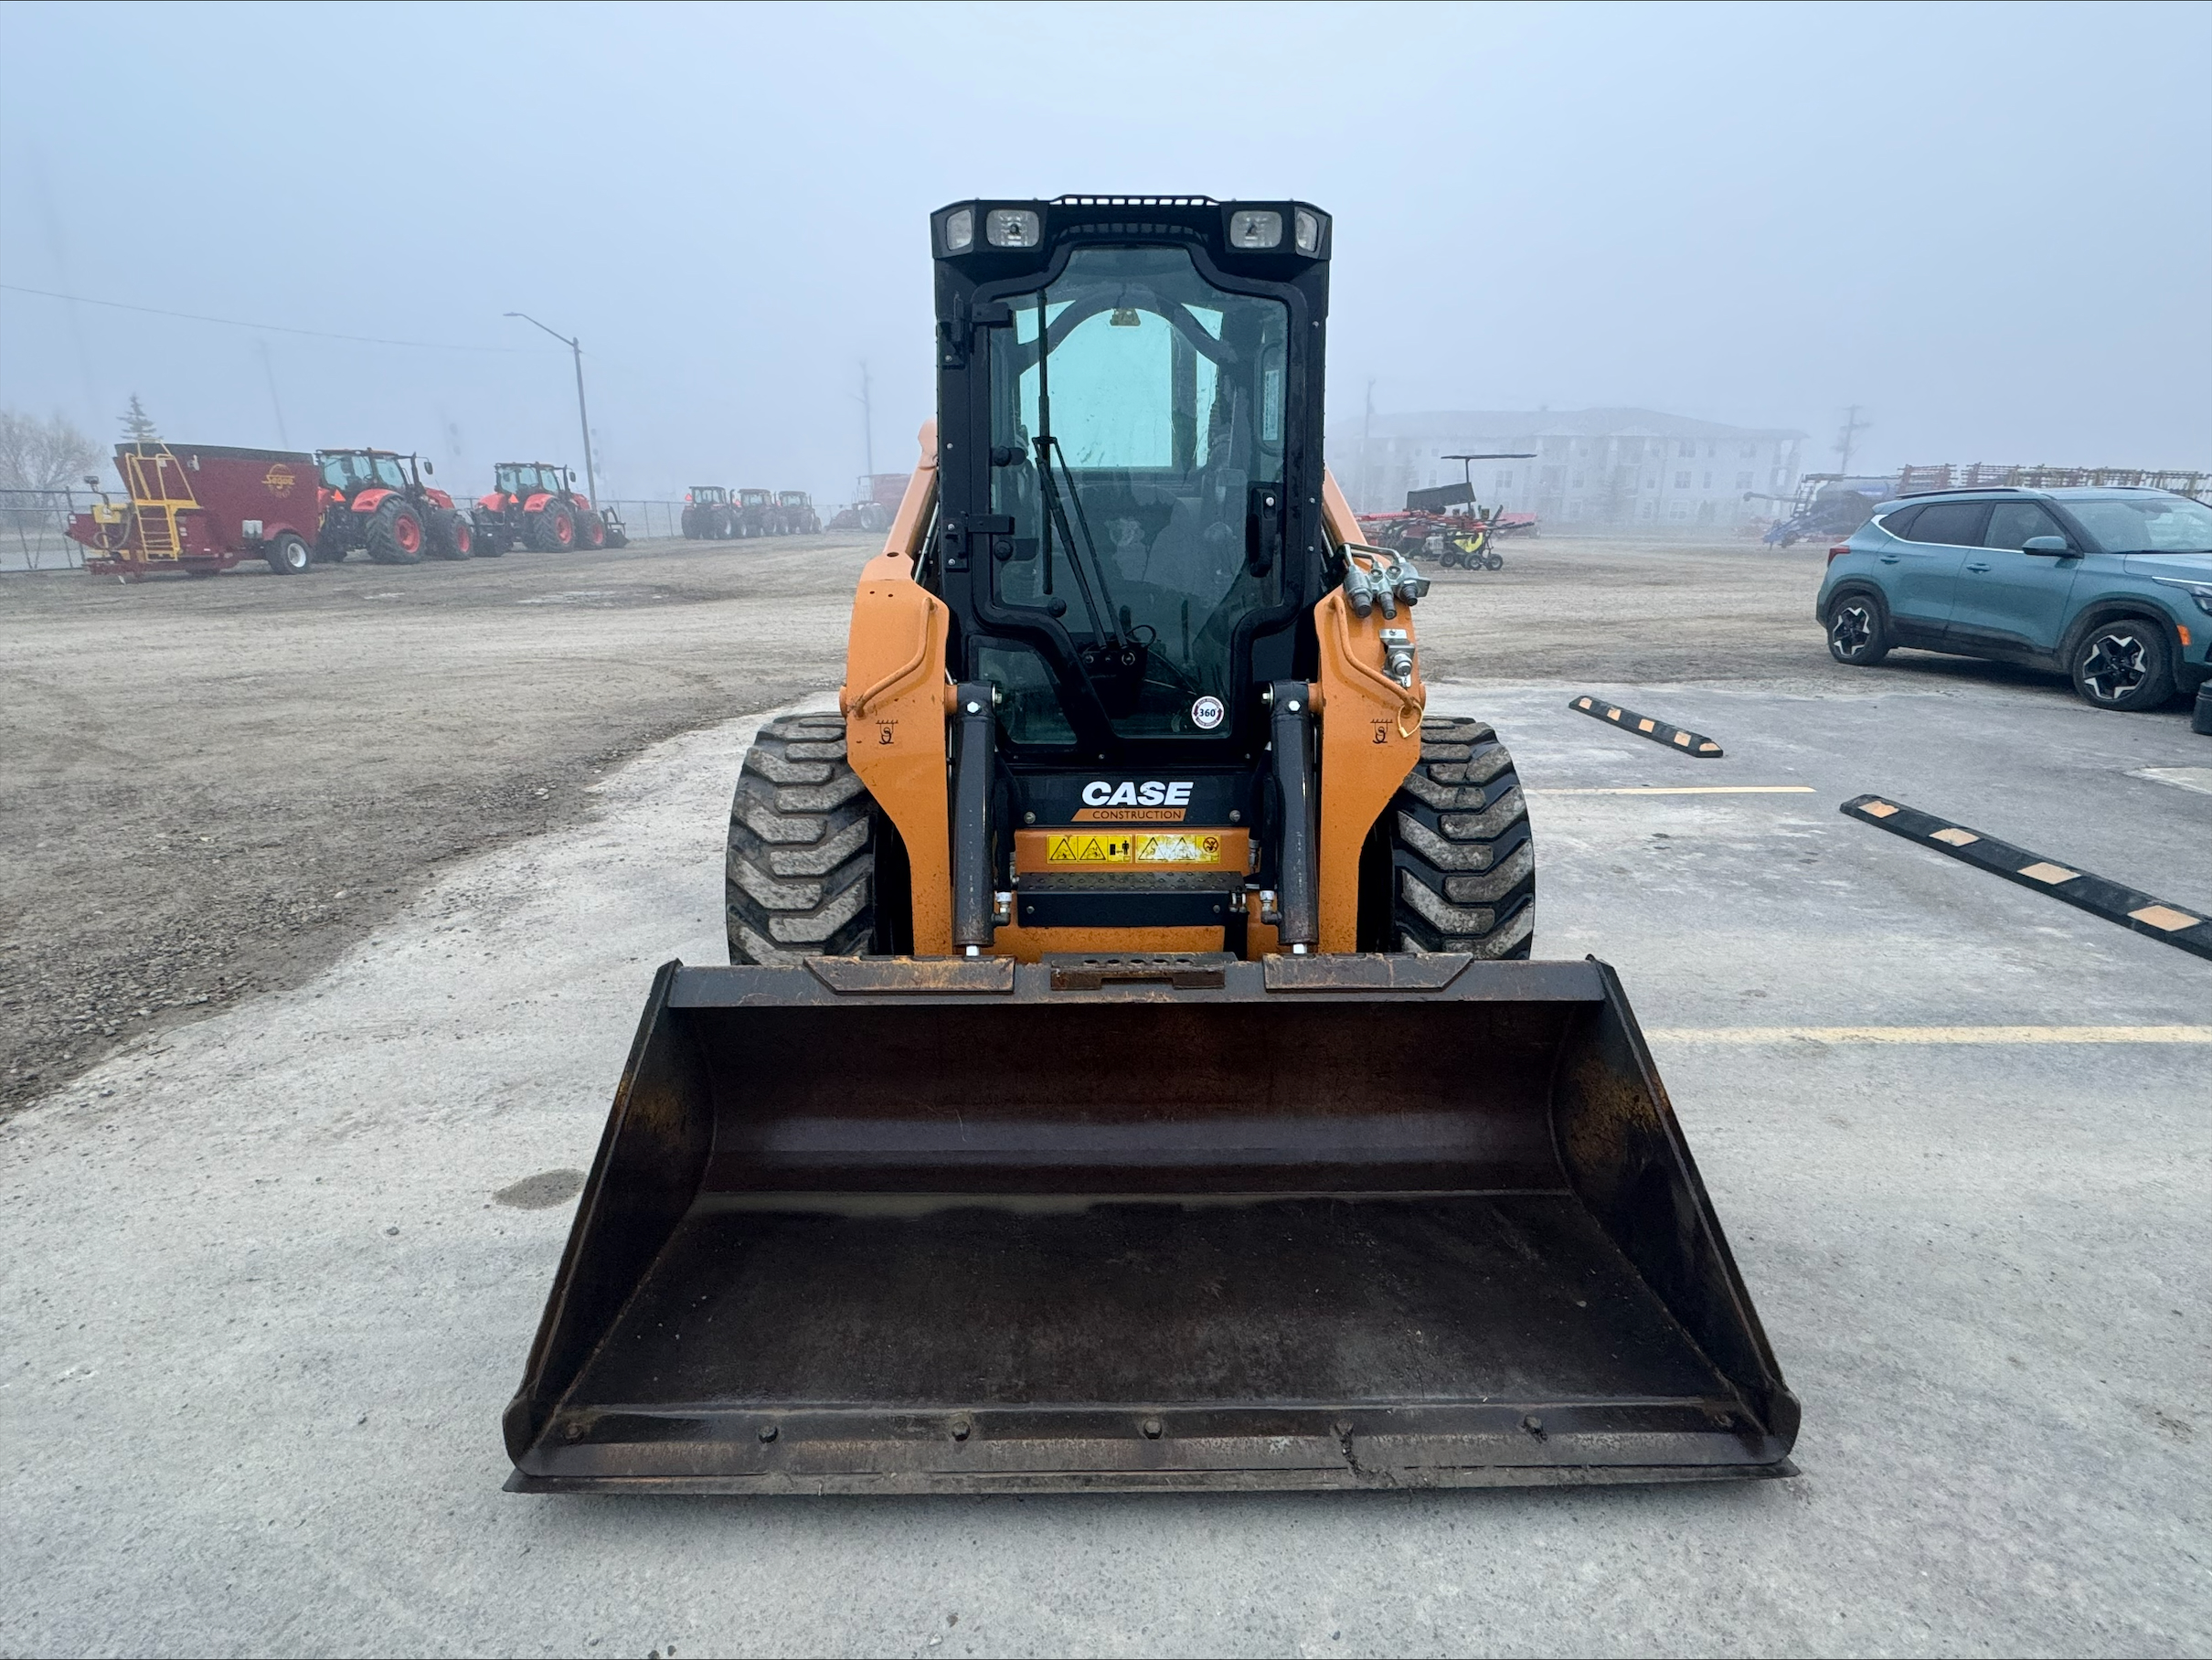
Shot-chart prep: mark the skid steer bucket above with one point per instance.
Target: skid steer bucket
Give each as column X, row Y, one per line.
column 879, row 1225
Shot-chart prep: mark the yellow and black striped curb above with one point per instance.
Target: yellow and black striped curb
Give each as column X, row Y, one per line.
column 1647, row 726
column 2139, row 911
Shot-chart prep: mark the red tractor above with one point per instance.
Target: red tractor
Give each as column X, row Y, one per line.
column 756, row 513
column 375, row 500
column 795, row 514
column 535, row 505
column 708, row 515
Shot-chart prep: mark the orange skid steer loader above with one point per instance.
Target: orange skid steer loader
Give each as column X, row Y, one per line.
column 1130, row 1071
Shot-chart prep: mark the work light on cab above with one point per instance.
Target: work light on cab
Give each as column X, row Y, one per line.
column 1255, row 228
column 1013, row 228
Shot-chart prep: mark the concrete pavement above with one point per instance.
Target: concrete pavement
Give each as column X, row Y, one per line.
column 259, row 1309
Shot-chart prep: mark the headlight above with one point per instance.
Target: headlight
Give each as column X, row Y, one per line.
column 1255, row 228
column 1013, row 228
column 2199, row 592
column 1309, row 232
column 959, row 229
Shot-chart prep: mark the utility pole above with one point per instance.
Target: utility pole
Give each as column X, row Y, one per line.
column 1366, row 448
column 582, row 418
column 868, row 423
column 269, row 372
column 1848, row 440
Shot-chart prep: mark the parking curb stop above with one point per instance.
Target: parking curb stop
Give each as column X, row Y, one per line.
column 2137, row 912
column 1648, row 726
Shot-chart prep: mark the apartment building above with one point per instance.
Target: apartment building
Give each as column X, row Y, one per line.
column 1592, row 467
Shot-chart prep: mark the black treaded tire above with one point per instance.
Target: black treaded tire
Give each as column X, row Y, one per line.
column 289, row 554
column 1858, row 629
column 449, row 537
column 552, row 530
column 799, row 880
column 396, row 535
column 1463, row 862
column 2122, row 663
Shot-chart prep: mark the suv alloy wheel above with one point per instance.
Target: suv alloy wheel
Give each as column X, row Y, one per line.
column 2122, row 665
column 1856, row 634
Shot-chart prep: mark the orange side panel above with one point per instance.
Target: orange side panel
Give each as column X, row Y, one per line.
column 893, row 700
column 1370, row 734
column 1336, row 512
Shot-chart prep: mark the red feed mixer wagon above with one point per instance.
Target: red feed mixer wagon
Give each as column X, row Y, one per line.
column 202, row 508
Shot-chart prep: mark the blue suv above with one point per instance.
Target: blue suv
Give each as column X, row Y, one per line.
column 2110, row 586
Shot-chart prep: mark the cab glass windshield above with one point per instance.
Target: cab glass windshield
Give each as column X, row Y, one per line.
column 1128, row 453
column 356, row 471
column 2146, row 524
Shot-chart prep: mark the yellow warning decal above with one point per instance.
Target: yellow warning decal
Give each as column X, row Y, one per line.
column 1140, row 848
column 1186, row 849
column 1083, row 848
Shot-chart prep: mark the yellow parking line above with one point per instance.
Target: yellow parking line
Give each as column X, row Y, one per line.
column 1686, row 790
column 1933, row 1034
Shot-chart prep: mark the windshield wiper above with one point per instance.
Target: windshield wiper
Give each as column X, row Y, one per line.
column 1102, row 623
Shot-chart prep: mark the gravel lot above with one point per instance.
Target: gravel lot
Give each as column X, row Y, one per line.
column 268, row 1271
column 211, row 788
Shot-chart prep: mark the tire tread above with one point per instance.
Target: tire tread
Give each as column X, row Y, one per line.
column 800, row 870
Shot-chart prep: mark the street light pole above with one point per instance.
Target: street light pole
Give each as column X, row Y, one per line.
column 591, row 477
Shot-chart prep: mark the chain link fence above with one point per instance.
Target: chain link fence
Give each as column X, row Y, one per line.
column 646, row 520
column 31, row 527
column 33, row 522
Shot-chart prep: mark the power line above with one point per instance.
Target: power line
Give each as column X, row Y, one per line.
column 273, row 329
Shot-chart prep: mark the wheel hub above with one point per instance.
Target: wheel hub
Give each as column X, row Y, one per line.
column 1852, row 630
column 2114, row 666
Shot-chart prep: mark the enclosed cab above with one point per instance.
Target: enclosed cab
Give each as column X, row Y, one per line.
column 1130, row 540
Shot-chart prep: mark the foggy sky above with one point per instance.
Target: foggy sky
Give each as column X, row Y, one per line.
column 1985, row 225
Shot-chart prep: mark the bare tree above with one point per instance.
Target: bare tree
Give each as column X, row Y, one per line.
column 35, row 454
